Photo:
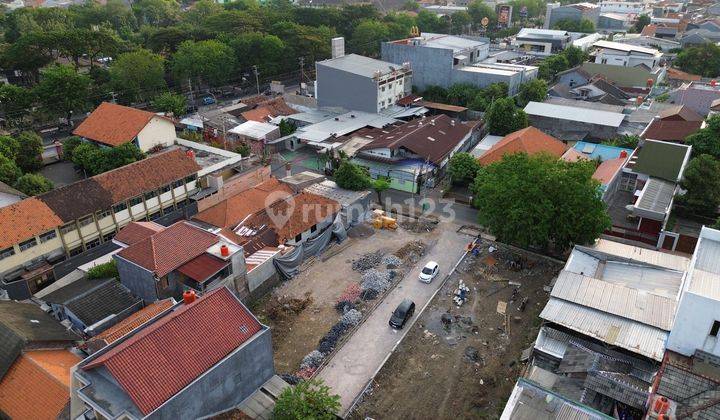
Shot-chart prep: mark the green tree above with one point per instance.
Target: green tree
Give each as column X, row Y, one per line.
column 120, row 156
column 706, row 141
column 574, row 56
column 584, row 25
column 287, row 127
column 488, row 95
column 641, row 22
column 9, row 147
column 138, row 75
column 106, row 270
column 462, row 168
column 435, row 94
column 352, row 177
column 553, row 65
column 410, row 5
column 231, row 21
column 9, row 172
column 68, row 147
column 205, row 61
column 703, row 60
column 171, row 102
column 29, row 157
column 540, row 200
column 535, row 90
column 62, row 90
column 628, row 141
column 15, row 102
column 503, row 117
column 255, row 48
column 88, row 157
column 380, row 185
column 33, row 184
column 367, row 36
column 461, row 94
column 310, row 399
column 243, row 149
column 701, row 180
column 461, row 21
column 479, row 10
column 156, row 12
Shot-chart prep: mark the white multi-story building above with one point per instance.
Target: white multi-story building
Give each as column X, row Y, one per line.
column 626, row 55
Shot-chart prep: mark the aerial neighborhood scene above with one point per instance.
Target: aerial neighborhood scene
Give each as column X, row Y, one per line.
column 360, row 209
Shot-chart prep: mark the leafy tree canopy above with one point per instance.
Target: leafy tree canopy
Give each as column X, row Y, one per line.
column 352, row 177
column 707, row 140
column 462, row 168
column 309, row 399
column 571, row 25
column 534, row 90
column 170, row 102
column 503, row 117
column 701, row 179
column 703, row 59
column 33, row 184
column 138, row 75
column 29, row 157
column 540, row 200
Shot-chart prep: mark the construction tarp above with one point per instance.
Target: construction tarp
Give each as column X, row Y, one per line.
column 288, row 265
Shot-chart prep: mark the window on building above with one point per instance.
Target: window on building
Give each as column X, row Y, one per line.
column 68, row 228
column 136, row 200
column 313, row 228
column 715, row 329
column 28, row 244
column 103, row 214
column 151, row 194
column 92, row 244
column 177, row 184
column 7, row 252
column 76, row 251
column 165, row 189
column 48, row 236
column 190, row 178
column 117, row 208
column 85, row 221
column 108, row 236
column 163, row 283
column 298, row 238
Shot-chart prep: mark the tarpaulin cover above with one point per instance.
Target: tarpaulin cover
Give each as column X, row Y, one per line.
column 288, row 265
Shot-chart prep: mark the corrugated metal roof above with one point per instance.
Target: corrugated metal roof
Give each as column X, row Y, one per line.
column 451, row 42
column 582, row 263
column 659, row 281
column 615, row 299
column 625, row 47
column 612, row 329
column 360, row 65
column 254, row 129
column 571, row 113
column 553, row 342
column 656, row 197
column 648, row 256
column 705, row 275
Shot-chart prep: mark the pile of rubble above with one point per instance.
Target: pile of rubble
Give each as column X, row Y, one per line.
column 421, row 225
column 328, row 342
column 367, row 261
column 375, row 280
column 391, row 261
column 411, row 252
column 285, row 306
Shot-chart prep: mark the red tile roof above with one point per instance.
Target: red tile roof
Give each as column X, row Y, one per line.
column 573, row 155
column 230, row 212
column 37, row 386
column 677, row 74
column 267, row 110
column 606, row 171
column 672, row 130
column 202, row 267
column 113, row 124
column 294, row 216
column 148, row 174
column 25, row 219
column 168, row 249
column 160, row 360
column 135, row 232
column 529, row 140
column 127, row 325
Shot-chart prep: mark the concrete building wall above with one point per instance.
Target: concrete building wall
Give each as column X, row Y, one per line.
column 551, row 125
column 159, row 131
column 337, row 88
column 138, row 280
column 564, row 13
column 226, row 384
column 36, row 252
column 693, row 321
column 235, row 185
column 486, row 79
column 260, row 274
column 430, row 66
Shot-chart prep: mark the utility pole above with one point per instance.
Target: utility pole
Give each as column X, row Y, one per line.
column 302, row 69
column 192, row 98
column 257, row 78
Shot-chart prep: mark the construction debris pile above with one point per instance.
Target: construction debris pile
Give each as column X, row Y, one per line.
column 411, row 252
column 391, row 261
column 328, row 343
column 373, row 279
column 461, row 293
column 367, row 261
column 421, row 225
column 284, row 306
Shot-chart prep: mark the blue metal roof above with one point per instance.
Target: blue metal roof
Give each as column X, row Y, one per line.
column 603, row 151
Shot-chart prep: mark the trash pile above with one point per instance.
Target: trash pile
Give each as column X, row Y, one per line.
column 328, row 342
column 375, row 280
column 421, row 225
column 367, row 261
column 285, row 306
column 391, row 261
column 461, row 294
column 412, row 251
column 347, row 300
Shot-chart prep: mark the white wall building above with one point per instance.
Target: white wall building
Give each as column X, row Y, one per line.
column 626, row 55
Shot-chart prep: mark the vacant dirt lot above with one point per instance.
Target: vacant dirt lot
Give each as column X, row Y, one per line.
column 302, row 310
column 462, row 362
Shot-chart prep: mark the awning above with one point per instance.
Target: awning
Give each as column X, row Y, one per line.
column 203, row 267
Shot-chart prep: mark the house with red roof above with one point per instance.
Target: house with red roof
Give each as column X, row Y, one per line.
column 674, row 125
column 181, row 256
column 202, row 356
column 529, row 140
column 113, row 125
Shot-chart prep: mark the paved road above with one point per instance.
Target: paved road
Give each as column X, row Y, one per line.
column 357, row 361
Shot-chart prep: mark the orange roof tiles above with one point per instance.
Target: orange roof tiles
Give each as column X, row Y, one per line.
column 135, row 320
column 135, row 232
column 267, row 110
column 37, row 386
column 186, row 343
column 295, row 215
column 148, row 174
column 230, row 212
column 25, row 219
column 606, row 171
column 113, row 124
column 529, row 140
column 677, row 74
column 168, row 249
column 573, row 155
